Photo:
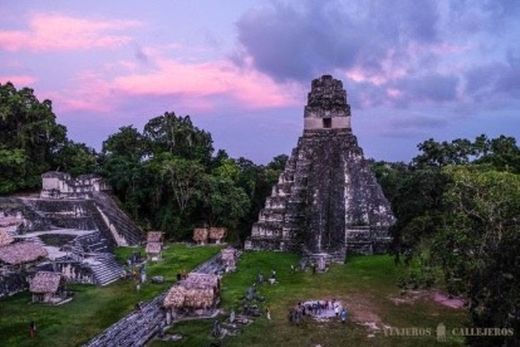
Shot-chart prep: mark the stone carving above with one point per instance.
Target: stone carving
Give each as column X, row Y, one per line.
column 327, row 201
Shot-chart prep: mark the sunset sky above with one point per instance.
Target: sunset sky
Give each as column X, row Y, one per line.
column 242, row 69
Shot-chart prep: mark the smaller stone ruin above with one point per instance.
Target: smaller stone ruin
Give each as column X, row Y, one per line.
column 203, row 236
column 229, row 259
column 153, row 250
column 154, row 245
column 48, row 287
column 14, row 257
column 200, row 236
column 72, row 227
column 154, row 236
column 216, row 235
column 197, row 295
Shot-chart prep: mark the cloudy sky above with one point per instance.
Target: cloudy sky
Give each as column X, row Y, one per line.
column 413, row 69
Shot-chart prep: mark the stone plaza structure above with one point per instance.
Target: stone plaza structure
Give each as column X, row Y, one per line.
column 327, row 202
column 70, row 228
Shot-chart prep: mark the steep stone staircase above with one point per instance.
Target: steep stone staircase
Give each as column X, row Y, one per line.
column 282, row 211
column 125, row 227
column 105, row 269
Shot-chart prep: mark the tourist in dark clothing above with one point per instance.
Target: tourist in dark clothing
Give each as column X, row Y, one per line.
column 32, row 329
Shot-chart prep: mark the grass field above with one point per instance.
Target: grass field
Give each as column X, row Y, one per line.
column 93, row 308
column 365, row 284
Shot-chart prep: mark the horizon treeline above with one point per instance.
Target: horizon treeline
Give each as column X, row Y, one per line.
column 168, row 176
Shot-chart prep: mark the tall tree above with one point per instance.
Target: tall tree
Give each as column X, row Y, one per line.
column 75, row 158
column 127, row 142
column 179, row 136
column 28, row 133
column 183, row 178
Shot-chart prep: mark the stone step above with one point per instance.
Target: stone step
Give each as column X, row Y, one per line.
column 107, row 270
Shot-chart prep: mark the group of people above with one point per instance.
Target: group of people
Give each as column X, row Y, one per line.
column 271, row 280
column 339, row 310
column 317, row 308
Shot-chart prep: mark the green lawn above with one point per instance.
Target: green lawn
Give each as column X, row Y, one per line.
column 93, row 308
column 365, row 284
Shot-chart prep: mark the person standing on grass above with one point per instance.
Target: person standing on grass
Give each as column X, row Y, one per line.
column 32, row 329
column 268, row 312
column 343, row 315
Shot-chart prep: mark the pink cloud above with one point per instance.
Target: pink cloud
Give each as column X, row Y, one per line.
column 196, row 86
column 393, row 93
column 18, row 80
column 200, row 80
column 53, row 31
column 391, row 68
column 91, row 93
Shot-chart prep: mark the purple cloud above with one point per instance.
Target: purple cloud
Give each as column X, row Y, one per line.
column 299, row 42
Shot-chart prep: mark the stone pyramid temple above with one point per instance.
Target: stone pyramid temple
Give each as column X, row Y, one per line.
column 327, row 202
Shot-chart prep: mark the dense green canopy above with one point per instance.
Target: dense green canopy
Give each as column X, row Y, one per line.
column 458, row 208
column 31, row 142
